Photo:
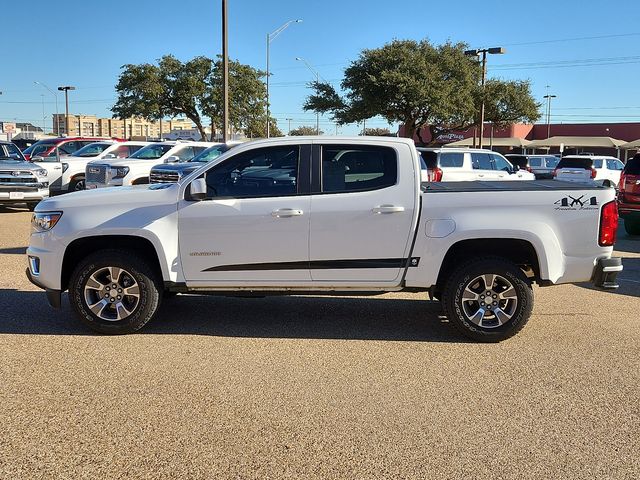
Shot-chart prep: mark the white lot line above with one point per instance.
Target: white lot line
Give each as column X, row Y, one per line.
column 628, row 280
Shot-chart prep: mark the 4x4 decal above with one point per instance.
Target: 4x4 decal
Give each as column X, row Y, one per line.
column 577, row 203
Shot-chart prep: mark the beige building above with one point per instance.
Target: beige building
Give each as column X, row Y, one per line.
column 92, row 126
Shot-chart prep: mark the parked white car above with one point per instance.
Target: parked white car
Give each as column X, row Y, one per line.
column 74, row 165
column 588, row 169
column 330, row 215
column 135, row 169
column 468, row 164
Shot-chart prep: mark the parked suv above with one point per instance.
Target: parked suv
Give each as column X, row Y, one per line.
column 464, row 164
column 74, row 165
column 589, row 168
column 46, row 148
column 135, row 169
column 21, row 181
column 541, row 166
column 629, row 196
column 172, row 172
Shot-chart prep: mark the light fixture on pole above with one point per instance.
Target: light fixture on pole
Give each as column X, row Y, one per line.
column 315, row 72
column 66, row 89
column 483, row 52
column 548, row 97
column 55, row 96
column 270, row 38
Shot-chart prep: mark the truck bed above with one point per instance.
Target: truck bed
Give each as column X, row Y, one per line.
column 512, row 186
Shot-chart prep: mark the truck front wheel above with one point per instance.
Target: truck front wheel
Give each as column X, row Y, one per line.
column 114, row 292
column 488, row 299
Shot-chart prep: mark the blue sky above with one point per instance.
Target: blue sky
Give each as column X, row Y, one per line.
column 85, row 43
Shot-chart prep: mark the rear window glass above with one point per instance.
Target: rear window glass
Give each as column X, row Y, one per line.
column 597, row 163
column 633, row 166
column 552, row 162
column 430, row 159
column 448, row 160
column 568, row 162
column 534, row 162
column 519, row 160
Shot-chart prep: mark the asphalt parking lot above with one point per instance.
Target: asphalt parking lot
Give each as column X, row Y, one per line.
column 311, row 387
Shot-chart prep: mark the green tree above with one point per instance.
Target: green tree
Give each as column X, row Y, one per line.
column 257, row 128
column 376, row 132
column 305, row 130
column 193, row 89
column 419, row 85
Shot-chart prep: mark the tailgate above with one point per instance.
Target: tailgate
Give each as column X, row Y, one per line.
column 573, row 174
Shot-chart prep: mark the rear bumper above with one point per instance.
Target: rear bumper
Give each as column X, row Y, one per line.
column 606, row 272
column 626, row 209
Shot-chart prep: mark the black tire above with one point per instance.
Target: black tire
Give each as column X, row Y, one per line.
column 632, row 225
column 77, row 184
column 149, row 290
column 32, row 206
column 463, row 276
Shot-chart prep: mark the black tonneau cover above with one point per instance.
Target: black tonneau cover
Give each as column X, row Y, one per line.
column 506, row 186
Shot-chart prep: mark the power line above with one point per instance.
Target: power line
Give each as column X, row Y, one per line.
column 574, row 39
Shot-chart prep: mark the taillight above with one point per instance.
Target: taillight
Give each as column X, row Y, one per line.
column 622, row 181
column 529, row 169
column 608, row 224
column 555, row 172
column 437, row 174
column 593, row 172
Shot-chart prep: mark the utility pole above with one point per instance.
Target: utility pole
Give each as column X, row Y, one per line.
column 336, row 128
column 483, row 52
column 548, row 97
column 66, row 89
column 225, row 75
column 55, row 96
column 270, row 38
column 289, row 120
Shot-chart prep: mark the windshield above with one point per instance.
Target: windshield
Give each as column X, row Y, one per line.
column 11, row 153
column 91, row 150
column 39, row 147
column 152, row 152
column 210, row 153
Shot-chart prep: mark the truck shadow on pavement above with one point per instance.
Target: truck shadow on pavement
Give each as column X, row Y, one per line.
column 628, row 279
column 366, row 318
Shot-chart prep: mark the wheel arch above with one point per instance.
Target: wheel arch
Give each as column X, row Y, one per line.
column 520, row 252
column 84, row 246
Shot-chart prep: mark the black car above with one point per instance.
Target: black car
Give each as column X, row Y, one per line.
column 171, row 173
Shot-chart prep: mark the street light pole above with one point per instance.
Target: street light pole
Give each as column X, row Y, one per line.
column 483, row 52
column 225, row 74
column 315, row 72
column 548, row 97
column 66, row 89
column 289, row 120
column 270, row 38
column 55, row 96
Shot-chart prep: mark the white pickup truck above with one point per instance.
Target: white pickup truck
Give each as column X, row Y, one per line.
column 322, row 215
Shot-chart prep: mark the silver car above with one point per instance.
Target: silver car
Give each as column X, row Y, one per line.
column 21, row 181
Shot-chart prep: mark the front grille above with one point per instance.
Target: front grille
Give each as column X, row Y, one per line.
column 97, row 173
column 164, row 176
column 22, row 177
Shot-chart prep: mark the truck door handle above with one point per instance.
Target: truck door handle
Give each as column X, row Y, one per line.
column 388, row 209
column 286, row 212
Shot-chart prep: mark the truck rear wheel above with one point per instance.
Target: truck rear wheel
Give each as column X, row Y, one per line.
column 488, row 299
column 114, row 292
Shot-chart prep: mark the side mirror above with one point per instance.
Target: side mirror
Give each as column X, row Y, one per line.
column 109, row 155
column 37, row 159
column 172, row 159
column 198, row 189
column 516, row 168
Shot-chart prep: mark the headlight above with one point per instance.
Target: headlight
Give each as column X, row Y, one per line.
column 44, row 221
column 65, row 167
column 119, row 172
column 42, row 173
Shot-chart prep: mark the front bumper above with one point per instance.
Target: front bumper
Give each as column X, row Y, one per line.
column 606, row 273
column 54, row 297
column 21, row 194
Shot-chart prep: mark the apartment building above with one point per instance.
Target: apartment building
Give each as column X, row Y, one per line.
column 93, row 126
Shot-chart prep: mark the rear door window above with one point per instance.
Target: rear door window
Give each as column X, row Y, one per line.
column 356, row 168
column 481, row 161
column 451, row 159
column 614, row 164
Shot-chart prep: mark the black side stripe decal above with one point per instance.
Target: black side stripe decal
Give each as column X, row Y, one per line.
column 320, row 265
